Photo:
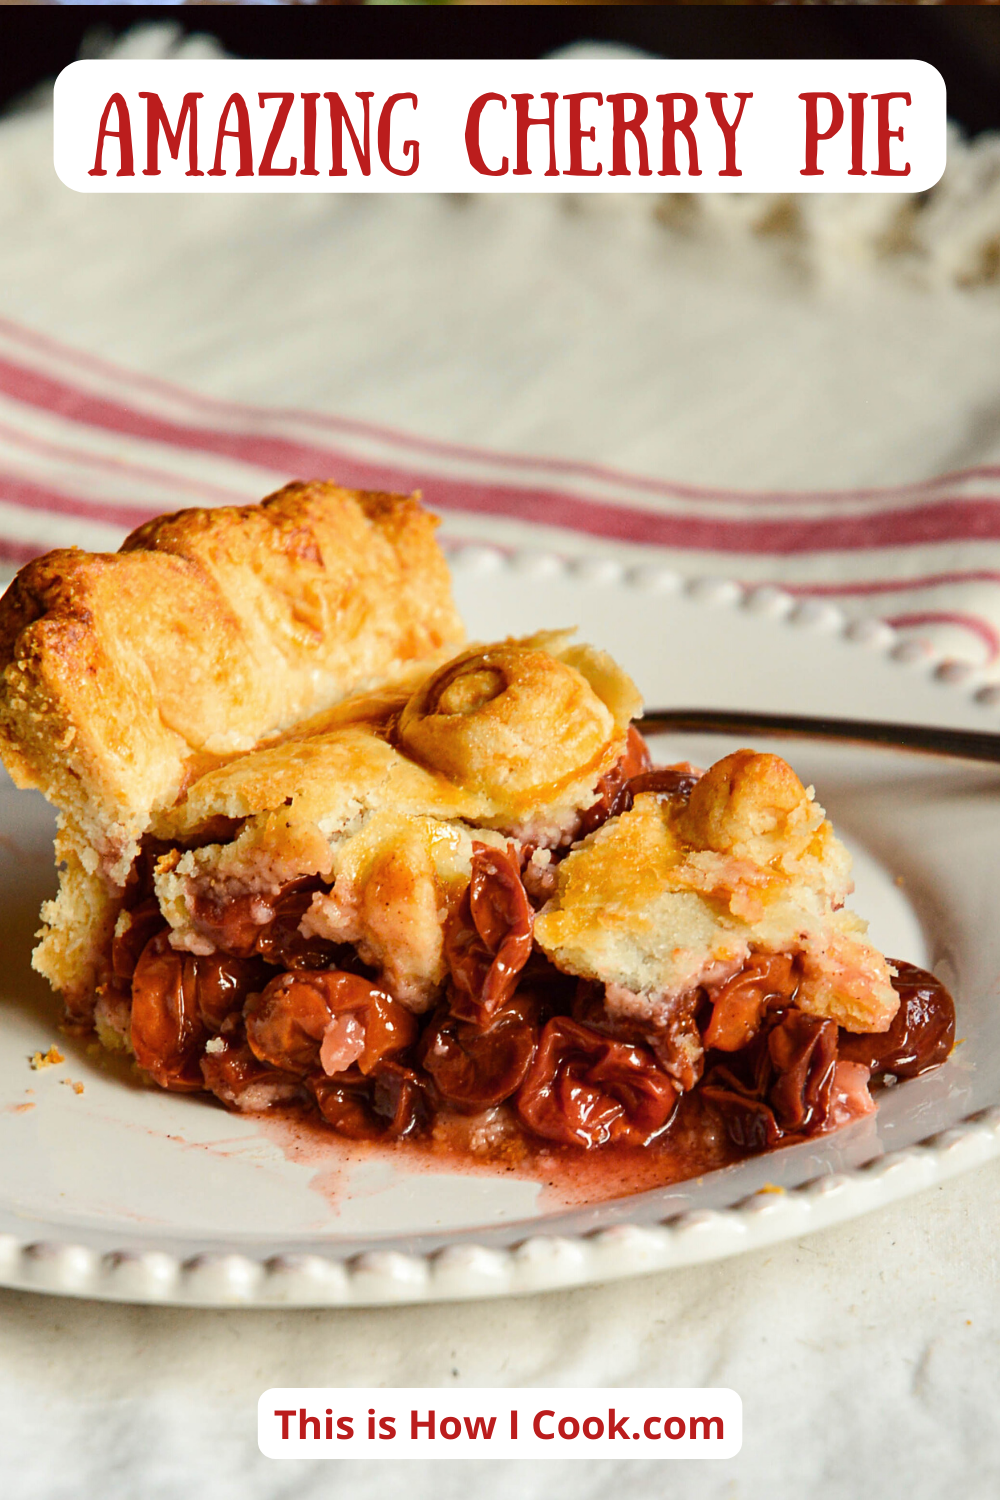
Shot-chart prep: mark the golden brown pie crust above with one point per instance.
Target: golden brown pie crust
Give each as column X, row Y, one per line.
column 206, row 632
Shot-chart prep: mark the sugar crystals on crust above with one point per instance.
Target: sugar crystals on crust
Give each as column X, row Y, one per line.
column 672, row 896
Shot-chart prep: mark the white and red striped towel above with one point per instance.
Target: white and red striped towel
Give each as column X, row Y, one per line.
column 88, row 450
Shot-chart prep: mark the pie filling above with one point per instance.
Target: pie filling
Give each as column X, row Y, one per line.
column 276, row 1015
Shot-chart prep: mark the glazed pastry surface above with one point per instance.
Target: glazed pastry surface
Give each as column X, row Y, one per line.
column 673, row 895
column 124, row 674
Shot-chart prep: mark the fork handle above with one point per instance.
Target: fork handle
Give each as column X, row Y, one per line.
column 963, row 744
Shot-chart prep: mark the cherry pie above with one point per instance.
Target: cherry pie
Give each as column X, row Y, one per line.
column 316, row 852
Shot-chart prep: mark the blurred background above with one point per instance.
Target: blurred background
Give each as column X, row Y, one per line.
column 800, row 390
column 826, row 363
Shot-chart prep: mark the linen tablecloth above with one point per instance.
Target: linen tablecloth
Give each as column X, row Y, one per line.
column 796, row 392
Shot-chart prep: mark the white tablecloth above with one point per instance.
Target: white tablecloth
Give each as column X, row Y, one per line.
column 866, row 1357
column 743, row 344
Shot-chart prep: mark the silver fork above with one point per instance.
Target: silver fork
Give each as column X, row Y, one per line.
column 963, row 744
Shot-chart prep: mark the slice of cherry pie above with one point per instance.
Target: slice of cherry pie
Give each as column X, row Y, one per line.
column 316, row 853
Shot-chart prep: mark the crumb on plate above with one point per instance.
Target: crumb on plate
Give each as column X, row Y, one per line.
column 47, row 1059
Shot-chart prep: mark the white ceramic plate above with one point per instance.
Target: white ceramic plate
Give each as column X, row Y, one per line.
column 132, row 1193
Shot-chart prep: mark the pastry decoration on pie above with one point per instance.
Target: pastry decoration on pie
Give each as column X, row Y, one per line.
column 316, row 851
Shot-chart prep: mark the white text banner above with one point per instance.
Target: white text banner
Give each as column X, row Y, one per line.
column 487, row 1423
column 550, row 126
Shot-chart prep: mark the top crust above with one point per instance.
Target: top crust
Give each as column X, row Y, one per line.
column 125, row 675
column 526, row 758
column 666, row 898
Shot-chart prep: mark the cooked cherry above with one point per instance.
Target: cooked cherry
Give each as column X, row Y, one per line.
column 488, row 941
column 738, row 1006
column 301, row 1016
column 477, row 1067
column 144, row 922
column 178, row 1001
column 922, row 1032
column 585, row 1090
